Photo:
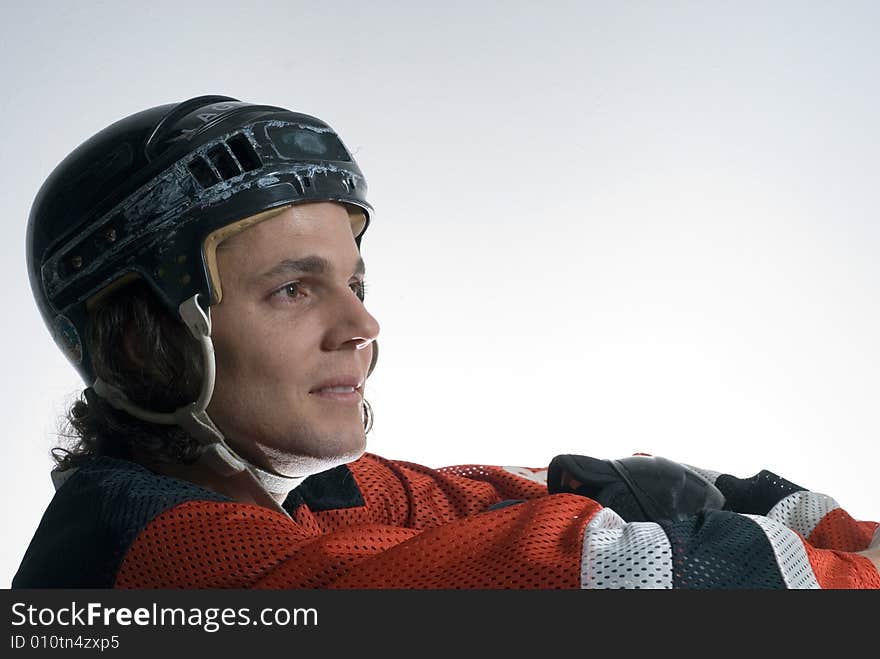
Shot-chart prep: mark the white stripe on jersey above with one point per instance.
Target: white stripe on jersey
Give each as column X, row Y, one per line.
column 802, row 511
column 620, row 555
column 791, row 557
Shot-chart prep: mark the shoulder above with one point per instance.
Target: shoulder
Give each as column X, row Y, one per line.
column 94, row 516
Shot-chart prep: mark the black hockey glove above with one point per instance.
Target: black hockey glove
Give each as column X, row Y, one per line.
column 638, row 488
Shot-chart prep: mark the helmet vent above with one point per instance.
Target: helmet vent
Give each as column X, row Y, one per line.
column 307, row 182
column 202, row 172
column 223, row 161
column 227, row 160
column 243, row 151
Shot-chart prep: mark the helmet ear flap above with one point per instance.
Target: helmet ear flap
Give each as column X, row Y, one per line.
column 375, row 358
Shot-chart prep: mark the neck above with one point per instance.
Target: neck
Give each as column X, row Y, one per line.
column 221, row 471
column 276, row 485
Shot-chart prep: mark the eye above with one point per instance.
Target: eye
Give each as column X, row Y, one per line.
column 359, row 288
column 291, row 290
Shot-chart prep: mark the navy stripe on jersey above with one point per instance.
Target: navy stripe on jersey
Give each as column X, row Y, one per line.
column 719, row 549
column 93, row 519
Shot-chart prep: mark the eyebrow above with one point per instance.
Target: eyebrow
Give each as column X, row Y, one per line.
column 312, row 264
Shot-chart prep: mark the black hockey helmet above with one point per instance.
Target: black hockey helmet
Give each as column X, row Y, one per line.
column 139, row 198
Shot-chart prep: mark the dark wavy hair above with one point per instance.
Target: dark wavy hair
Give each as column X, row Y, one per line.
column 139, row 347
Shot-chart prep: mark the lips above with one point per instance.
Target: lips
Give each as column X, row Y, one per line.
column 344, row 390
column 341, row 384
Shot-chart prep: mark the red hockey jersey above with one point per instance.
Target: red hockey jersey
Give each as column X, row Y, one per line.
column 377, row 523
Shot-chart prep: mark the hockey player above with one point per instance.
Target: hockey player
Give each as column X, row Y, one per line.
column 199, row 264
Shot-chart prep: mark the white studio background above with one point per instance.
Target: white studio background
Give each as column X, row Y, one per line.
column 601, row 227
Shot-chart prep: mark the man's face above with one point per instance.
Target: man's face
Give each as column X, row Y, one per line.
column 291, row 323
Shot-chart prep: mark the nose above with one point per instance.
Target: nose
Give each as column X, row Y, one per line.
column 350, row 325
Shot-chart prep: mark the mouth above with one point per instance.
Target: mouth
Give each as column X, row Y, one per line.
column 346, row 390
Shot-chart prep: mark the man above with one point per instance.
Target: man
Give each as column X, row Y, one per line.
column 199, row 264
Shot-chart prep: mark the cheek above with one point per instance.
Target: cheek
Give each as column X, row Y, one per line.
column 250, row 351
column 254, row 387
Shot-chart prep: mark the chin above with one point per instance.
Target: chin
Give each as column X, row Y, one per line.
column 340, row 447
column 328, row 461
column 352, row 449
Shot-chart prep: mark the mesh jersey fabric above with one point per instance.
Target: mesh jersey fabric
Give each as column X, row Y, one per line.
column 379, row 523
column 93, row 519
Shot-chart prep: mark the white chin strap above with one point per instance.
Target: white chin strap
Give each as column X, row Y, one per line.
column 193, row 418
